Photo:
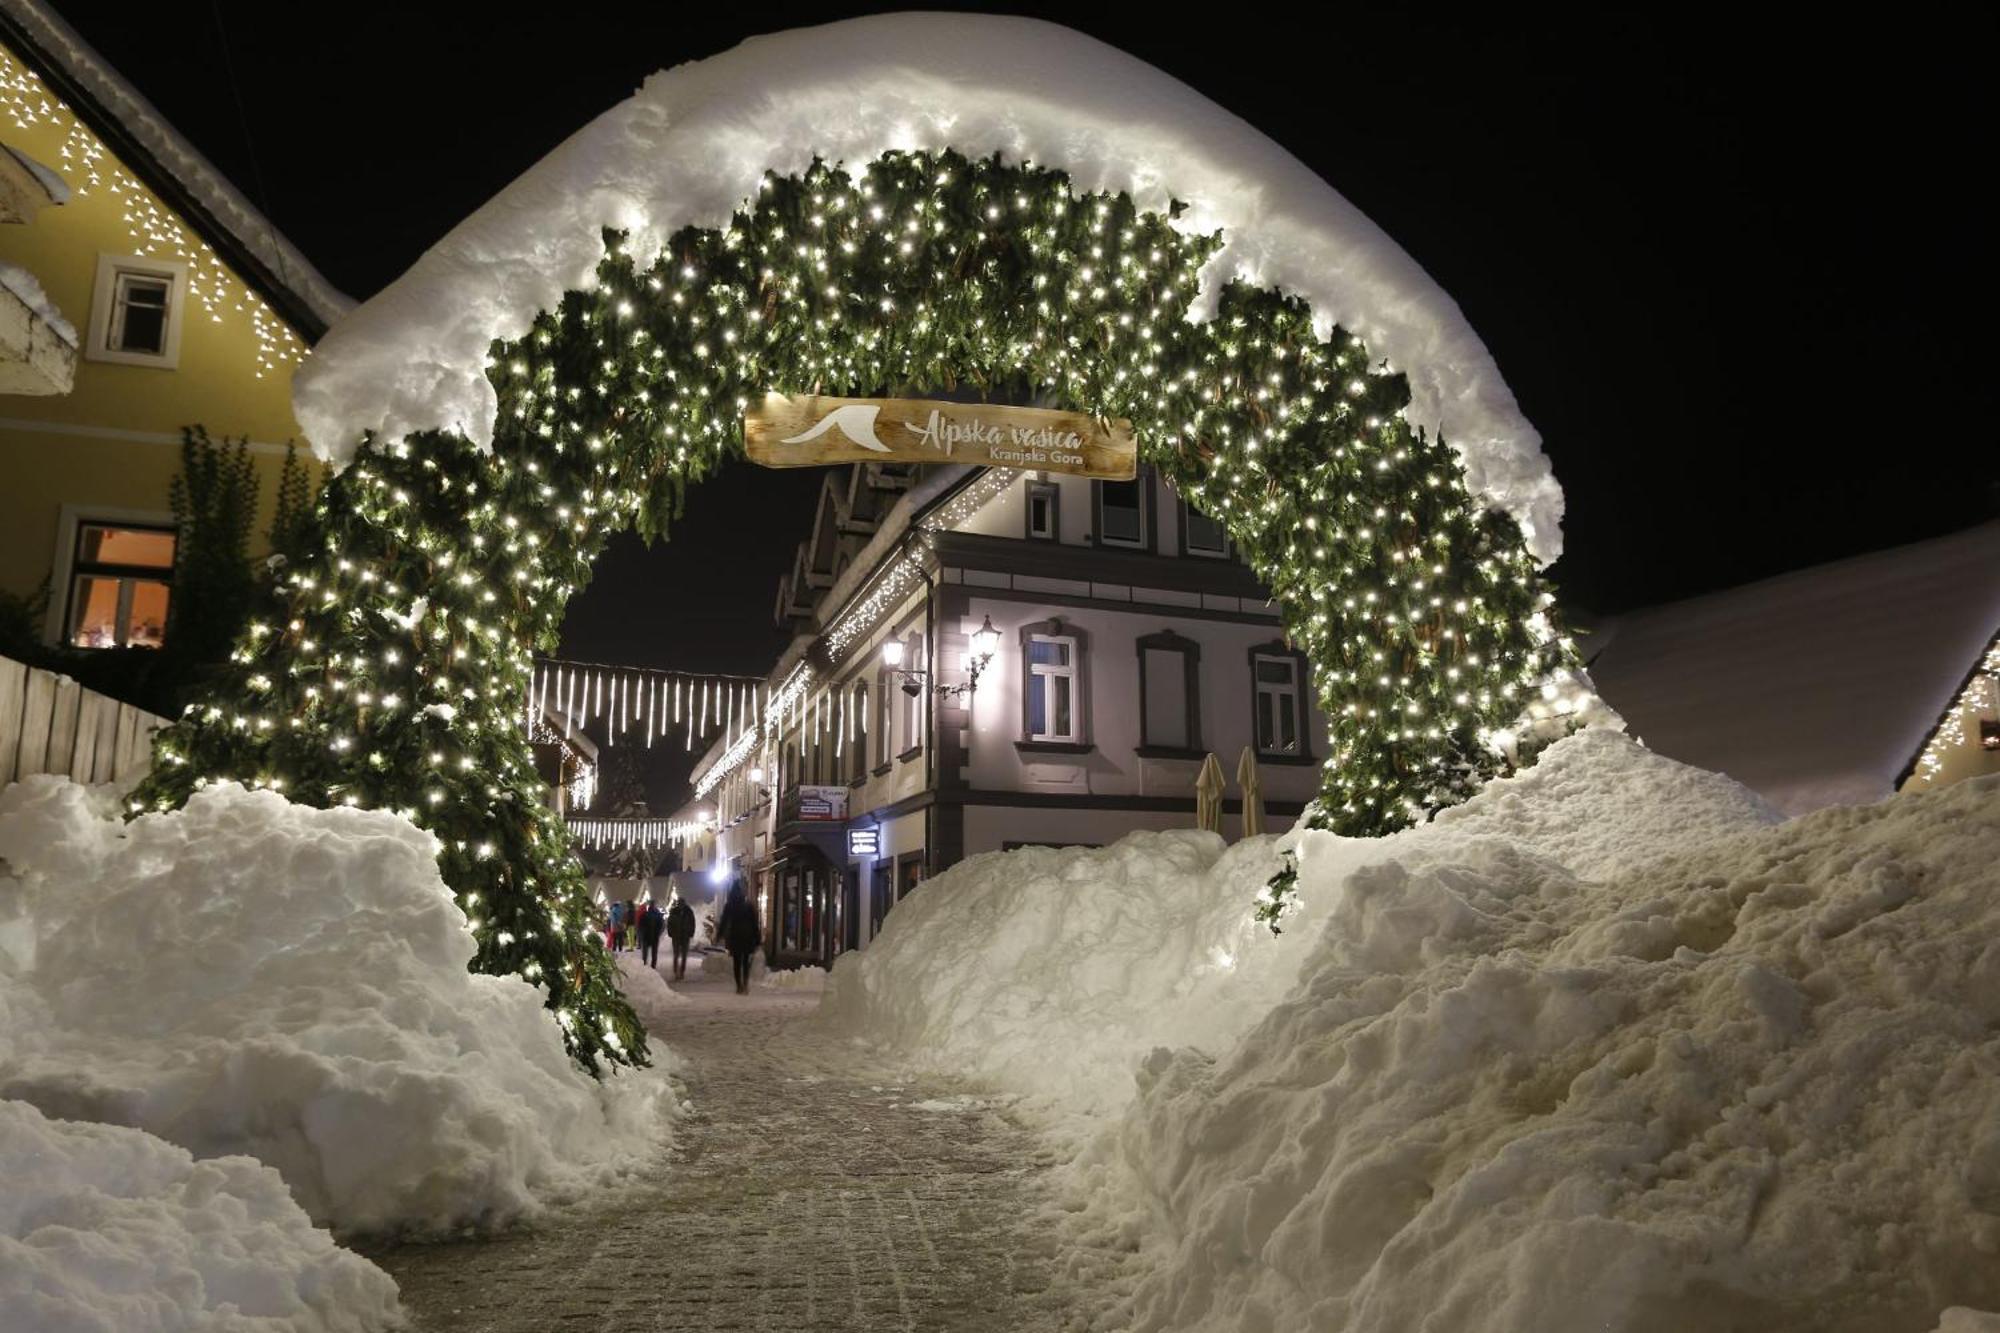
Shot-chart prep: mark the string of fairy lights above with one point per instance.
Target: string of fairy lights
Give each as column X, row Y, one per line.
column 86, row 166
column 1977, row 705
column 631, row 705
column 392, row 669
column 645, row 835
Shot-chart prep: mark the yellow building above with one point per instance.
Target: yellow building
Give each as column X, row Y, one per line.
column 140, row 293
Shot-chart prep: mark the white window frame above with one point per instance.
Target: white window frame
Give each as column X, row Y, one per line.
column 1201, row 552
column 1261, row 688
column 1073, row 672
column 97, row 347
column 1050, row 492
column 1142, row 488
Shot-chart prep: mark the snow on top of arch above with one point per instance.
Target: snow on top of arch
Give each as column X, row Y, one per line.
column 693, row 143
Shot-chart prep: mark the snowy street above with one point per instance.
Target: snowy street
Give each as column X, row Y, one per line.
column 808, row 1189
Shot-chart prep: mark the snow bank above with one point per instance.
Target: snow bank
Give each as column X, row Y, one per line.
column 694, row 142
column 251, row 976
column 109, row 1230
column 1054, row 972
column 1603, row 1049
column 1958, row 1319
column 651, row 998
column 807, row 980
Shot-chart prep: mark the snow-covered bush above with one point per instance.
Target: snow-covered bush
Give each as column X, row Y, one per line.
column 1603, row 1049
column 110, row 1230
column 251, row 976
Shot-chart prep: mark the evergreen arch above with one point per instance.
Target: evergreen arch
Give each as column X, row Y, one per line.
column 390, row 664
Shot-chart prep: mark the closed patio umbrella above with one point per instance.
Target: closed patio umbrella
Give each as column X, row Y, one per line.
column 1253, row 793
column 1208, row 795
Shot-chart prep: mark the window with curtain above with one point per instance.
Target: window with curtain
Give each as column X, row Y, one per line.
column 1055, row 706
column 121, row 580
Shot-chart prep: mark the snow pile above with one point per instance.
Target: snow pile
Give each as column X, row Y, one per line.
column 52, row 184
column 1958, row 1319
column 807, row 980
column 29, row 288
column 1054, row 972
column 109, row 1230
column 695, row 141
column 652, row 999
column 1752, row 1085
column 1604, row 1049
column 251, row 976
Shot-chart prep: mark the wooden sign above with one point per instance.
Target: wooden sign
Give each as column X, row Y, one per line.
column 788, row 430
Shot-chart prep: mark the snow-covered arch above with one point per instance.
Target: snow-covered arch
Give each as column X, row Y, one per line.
column 897, row 204
column 695, row 141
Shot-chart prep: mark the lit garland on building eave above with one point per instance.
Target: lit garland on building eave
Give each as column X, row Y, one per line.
column 155, row 230
column 646, row 835
column 1980, row 694
column 393, row 669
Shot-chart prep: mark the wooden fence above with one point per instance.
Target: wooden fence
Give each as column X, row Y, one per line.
column 51, row 724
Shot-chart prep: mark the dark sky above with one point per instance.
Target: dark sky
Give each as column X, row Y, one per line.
column 1738, row 276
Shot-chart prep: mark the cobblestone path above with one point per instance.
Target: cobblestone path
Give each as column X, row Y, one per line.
column 809, row 1189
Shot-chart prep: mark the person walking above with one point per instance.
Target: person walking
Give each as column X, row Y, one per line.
column 680, row 929
column 617, row 930
column 652, row 924
column 741, row 933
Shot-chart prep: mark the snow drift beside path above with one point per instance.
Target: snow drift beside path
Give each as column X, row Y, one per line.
column 1053, row 972
column 110, row 1230
column 692, row 145
column 651, row 998
column 251, row 976
column 1602, row 1049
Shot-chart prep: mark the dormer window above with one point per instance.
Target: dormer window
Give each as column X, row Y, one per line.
column 136, row 312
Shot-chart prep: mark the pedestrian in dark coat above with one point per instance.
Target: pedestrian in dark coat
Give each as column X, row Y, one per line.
column 652, row 924
column 680, row 929
column 741, row 933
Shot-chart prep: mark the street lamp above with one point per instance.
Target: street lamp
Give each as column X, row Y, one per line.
column 985, row 641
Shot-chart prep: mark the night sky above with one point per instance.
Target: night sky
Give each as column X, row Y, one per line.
column 1738, row 277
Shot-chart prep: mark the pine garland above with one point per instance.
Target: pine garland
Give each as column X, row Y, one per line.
column 392, row 667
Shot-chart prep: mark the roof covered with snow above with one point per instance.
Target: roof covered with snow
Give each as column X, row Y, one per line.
column 693, row 143
column 174, row 168
column 1815, row 688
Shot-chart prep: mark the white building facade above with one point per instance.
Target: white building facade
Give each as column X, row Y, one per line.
column 1115, row 640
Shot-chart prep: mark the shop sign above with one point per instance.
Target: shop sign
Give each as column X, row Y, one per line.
column 809, row 430
column 822, row 804
column 864, row 842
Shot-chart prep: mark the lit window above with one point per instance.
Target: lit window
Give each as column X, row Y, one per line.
column 120, row 584
column 1278, row 716
column 1054, row 710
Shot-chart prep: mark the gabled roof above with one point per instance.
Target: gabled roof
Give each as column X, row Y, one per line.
column 1814, row 688
column 172, row 168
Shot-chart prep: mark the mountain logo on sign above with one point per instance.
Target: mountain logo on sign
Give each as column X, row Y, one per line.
column 856, row 421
